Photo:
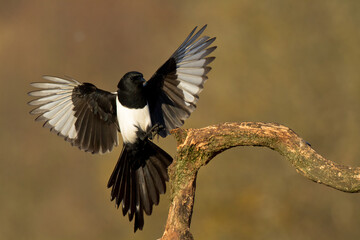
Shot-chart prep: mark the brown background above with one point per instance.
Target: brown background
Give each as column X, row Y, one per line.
column 291, row 62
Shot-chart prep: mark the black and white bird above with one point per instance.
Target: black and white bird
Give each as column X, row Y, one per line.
column 90, row 119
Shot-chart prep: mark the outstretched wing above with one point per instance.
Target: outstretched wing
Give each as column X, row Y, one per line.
column 172, row 92
column 82, row 114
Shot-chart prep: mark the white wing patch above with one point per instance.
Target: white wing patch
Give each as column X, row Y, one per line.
column 192, row 71
column 56, row 106
column 192, row 67
column 80, row 113
column 183, row 76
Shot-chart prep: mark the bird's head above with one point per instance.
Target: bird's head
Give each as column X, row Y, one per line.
column 131, row 80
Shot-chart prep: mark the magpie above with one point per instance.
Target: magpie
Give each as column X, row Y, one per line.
column 90, row 119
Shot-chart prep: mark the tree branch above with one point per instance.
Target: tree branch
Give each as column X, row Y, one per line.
column 196, row 147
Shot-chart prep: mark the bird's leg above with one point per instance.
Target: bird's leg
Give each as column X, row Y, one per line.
column 150, row 133
column 155, row 129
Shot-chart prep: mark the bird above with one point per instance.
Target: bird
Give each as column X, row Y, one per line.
column 90, row 119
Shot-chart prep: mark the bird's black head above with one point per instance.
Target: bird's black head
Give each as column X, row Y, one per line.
column 130, row 81
column 131, row 91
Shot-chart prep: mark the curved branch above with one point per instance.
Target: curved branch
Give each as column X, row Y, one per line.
column 196, row 147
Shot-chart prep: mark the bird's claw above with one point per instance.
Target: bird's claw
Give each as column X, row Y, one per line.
column 151, row 133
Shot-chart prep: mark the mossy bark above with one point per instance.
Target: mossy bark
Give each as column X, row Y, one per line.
column 196, row 147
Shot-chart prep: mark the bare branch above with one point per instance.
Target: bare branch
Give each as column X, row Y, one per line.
column 196, row 147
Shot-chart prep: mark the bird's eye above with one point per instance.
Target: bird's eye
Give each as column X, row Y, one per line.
column 137, row 78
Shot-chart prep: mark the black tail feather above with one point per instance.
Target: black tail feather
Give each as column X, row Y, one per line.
column 138, row 179
column 159, row 181
column 132, row 197
column 153, row 193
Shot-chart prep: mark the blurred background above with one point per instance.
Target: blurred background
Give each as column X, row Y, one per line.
column 290, row 62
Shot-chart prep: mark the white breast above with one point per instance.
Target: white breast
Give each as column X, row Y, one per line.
column 130, row 118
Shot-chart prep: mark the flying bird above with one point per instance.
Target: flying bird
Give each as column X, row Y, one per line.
column 90, row 118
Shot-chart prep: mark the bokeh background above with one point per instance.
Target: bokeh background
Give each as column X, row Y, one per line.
column 291, row 62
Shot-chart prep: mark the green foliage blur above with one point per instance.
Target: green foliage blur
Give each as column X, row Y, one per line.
column 291, row 62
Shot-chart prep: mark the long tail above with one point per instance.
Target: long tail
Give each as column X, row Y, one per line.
column 138, row 179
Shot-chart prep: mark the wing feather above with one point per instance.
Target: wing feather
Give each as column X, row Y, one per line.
column 82, row 114
column 172, row 92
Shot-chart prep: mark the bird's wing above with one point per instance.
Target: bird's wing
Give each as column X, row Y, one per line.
column 172, row 92
column 82, row 114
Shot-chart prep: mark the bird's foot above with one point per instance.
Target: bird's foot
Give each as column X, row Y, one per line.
column 151, row 133
column 154, row 130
